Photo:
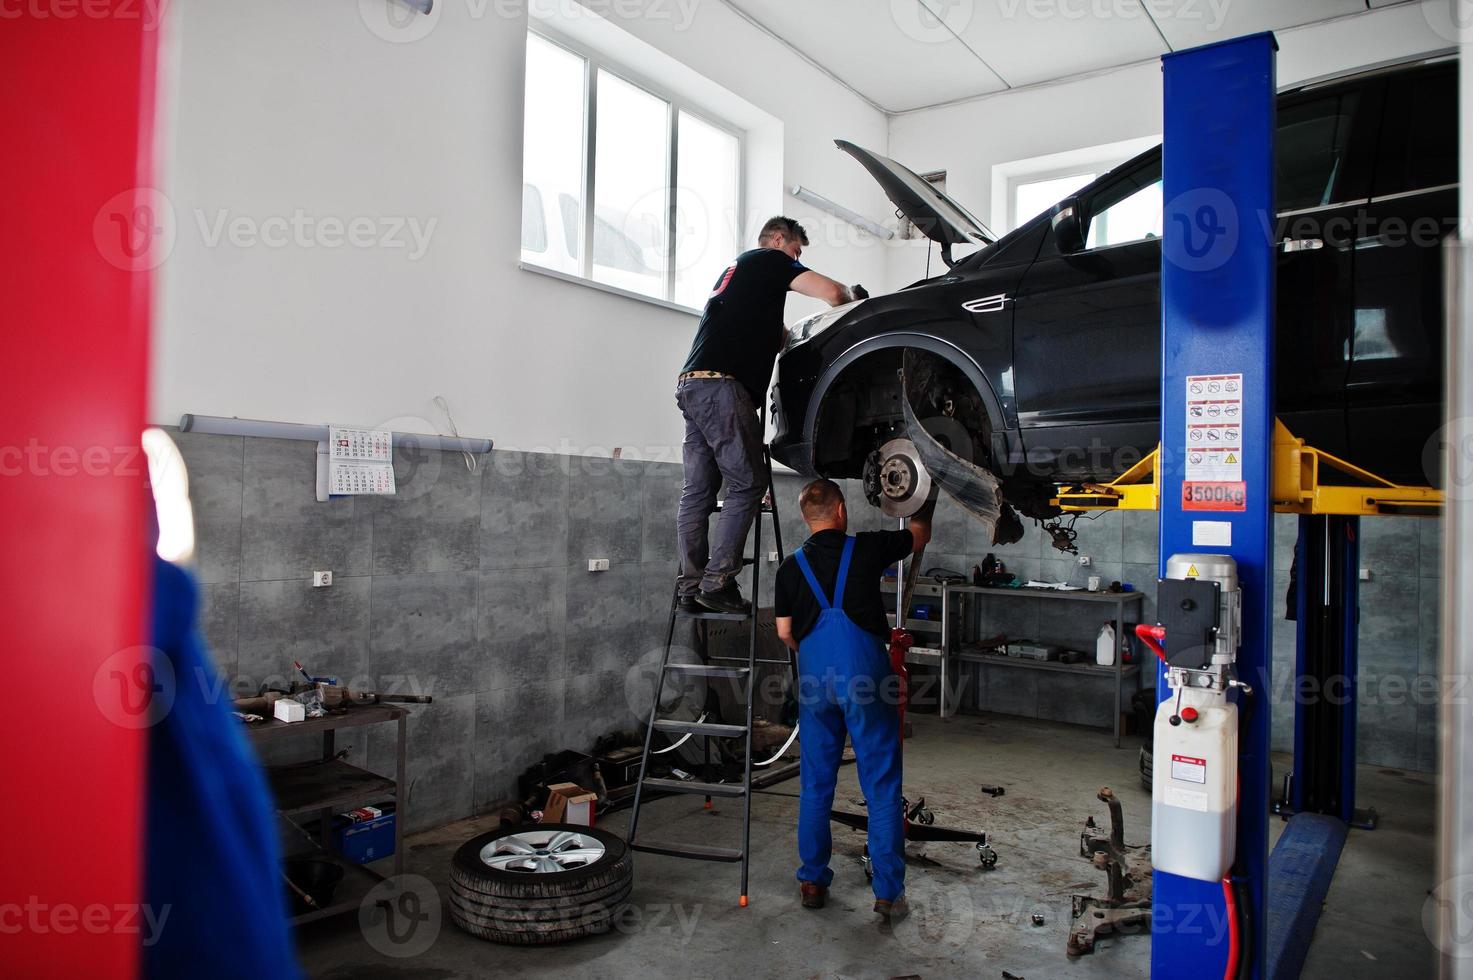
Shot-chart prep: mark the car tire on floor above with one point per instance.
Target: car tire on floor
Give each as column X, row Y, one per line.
column 540, row 883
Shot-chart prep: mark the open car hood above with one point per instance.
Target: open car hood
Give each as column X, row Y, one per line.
column 937, row 216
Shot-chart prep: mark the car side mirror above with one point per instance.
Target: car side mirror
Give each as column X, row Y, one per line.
column 1069, row 229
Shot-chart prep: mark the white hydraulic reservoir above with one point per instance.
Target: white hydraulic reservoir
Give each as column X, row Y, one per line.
column 1194, row 785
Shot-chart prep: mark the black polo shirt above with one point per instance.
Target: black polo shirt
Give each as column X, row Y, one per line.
column 874, row 551
column 742, row 331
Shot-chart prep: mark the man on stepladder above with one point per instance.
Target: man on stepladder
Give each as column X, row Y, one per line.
column 719, row 390
column 830, row 610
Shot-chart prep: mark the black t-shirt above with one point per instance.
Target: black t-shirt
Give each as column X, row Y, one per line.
column 864, row 603
column 741, row 331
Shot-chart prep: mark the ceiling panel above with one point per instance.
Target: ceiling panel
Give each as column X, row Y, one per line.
column 1028, row 41
column 1187, row 23
column 894, row 53
column 906, row 54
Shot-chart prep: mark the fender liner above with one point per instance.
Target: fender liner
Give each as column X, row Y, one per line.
column 1000, row 447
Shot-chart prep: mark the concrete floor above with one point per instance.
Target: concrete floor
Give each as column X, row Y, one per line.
column 965, row 923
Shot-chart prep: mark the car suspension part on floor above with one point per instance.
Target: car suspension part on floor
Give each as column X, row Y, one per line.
column 1126, row 908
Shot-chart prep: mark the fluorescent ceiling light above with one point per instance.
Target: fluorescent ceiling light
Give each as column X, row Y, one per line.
column 839, row 211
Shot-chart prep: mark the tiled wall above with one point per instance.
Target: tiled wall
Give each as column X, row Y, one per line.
column 473, row 587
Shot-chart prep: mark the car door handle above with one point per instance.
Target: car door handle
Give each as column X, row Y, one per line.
column 1301, row 244
column 986, row 304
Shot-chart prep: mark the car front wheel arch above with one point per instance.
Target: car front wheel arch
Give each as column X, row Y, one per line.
column 856, row 391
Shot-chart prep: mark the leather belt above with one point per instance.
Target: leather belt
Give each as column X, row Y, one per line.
column 687, row 376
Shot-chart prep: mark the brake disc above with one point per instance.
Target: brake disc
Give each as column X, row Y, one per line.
column 896, row 480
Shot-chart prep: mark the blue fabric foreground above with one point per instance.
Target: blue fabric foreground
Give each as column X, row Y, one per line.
column 212, row 860
column 842, row 672
column 1299, row 873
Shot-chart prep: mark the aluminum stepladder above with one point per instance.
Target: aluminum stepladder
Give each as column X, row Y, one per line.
column 706, row 730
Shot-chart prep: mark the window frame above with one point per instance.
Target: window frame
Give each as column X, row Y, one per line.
column 595, row 62
column 1038, row 177
column 1090, row 196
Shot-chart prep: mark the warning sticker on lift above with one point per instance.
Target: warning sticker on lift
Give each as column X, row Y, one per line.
column 1214, row 449
column 1186, row 768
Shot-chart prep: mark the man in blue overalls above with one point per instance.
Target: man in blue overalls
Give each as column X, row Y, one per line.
column 829, row 608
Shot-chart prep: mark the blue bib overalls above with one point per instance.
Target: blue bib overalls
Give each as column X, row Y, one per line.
column 844, row 684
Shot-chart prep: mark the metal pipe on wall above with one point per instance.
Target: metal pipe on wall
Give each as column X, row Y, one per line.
column 220, row 426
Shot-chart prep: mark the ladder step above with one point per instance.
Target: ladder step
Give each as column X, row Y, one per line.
column 697, row 851
column 696, row 788
column 707, row 614
column 700, row 728
column 760, row 660
column 706, row 670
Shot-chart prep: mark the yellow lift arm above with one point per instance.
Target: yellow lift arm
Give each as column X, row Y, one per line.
column 1301, row 485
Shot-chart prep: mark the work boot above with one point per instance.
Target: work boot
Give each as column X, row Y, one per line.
column 812, row 894
column 892, row 911
column 727, row 599
column 688, row 604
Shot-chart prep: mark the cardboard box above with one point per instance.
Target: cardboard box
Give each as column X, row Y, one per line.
column 569, row 803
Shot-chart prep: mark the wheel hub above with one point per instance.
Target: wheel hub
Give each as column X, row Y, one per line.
column 542, row 851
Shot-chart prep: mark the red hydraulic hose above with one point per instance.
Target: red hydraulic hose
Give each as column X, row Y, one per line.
column 1232, row 916
column 1150, row 636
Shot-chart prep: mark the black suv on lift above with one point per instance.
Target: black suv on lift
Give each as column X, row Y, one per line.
column 1046, row 343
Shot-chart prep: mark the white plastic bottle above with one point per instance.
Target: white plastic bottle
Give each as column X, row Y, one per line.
column 1105, row 646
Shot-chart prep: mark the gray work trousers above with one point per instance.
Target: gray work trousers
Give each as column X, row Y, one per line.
column 723, row 442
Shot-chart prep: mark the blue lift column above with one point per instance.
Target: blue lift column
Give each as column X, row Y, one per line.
column 1217, row 300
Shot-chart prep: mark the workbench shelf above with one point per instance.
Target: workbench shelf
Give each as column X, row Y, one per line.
column 357, row 882
column 327, row 786
column 960, row 613
column 993, row 659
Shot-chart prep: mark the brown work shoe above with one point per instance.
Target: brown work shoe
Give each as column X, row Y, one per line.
column 892, row 911
column 812, row 894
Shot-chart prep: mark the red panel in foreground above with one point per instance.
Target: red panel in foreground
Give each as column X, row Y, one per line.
column 75, row 268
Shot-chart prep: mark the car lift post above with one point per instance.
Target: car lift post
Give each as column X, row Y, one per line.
column 1217, row 298
column 1327, row 594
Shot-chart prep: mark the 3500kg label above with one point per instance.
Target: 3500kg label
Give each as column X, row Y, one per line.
column 1214, row 496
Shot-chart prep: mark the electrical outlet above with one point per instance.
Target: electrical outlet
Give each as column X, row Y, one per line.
column 772, row 556
column 598, row 564
column 321, row 580
column 1365, row 574
column 1084, row 560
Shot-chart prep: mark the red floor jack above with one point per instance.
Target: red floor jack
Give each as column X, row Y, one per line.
column 920, row 822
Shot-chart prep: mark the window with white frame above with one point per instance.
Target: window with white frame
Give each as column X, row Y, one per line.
column 653, row 182
column 1132, row 218
column 1024, row 189
column 1033, row 197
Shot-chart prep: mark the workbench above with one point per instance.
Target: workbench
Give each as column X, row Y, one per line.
column 1119, row 670
column 327, row 787
column 957, row 614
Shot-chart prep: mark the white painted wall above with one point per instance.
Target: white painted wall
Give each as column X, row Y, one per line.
column 968, row 138
column 1465, row 76
column 282, row 105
